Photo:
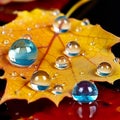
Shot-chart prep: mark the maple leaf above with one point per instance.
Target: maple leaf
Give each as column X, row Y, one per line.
column 95, row 44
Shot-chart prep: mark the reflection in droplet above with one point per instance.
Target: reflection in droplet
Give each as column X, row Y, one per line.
column 87, row 111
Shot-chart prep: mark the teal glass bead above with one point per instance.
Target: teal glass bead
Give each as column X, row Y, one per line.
column 61, row 24
column 23, row 53
column 85, row 92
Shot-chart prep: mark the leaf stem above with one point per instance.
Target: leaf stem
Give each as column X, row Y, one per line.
column 74, row 7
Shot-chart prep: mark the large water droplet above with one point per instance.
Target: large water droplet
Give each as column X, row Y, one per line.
column 85, row 92
column 104, row 69
column 61, row 24
column 72, row 49
column 23, row 53
column 62, row 62
column 40, row 81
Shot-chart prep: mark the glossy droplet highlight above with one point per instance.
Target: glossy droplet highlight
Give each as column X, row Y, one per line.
column 23, row 53
column 72, row 49
column 61, row 24
column 40, row 81
column 58, row 89
column 104, row 69
column 62, row 62
column 85, row 92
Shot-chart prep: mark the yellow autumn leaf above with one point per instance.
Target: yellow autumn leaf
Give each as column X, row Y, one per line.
column 95, row 44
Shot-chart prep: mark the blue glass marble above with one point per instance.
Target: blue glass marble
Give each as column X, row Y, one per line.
column 23, row 53
column 40, row 81
column 85, row 92
column 61, row 24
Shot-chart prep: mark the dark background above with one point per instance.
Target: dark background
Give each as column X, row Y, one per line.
column 104, row 12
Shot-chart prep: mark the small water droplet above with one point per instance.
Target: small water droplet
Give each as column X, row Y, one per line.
column 29, row 29
column 85, row 92
column 117, row 60
column 29, row 94
column 56, row 12
column 3, row 32
column 78, row 29
column 40, row 80
column 92, row 43
column 104, row 69
column 58, row 89
column 72, row 49
column 37, row 26
column 61, row 24
column 85, row 21
column 82, row 73
column 54, row 76
column 23, row 53
column 14, row 74
column 62, row 62
column 6, row 42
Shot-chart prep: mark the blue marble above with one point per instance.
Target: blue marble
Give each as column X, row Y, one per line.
column 85, row 92
column 23, row 53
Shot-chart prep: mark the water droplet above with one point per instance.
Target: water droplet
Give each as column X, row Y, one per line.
column 85, row 21
column 85, row 92
column 37, row 26
column 61, row 24
column 78, row 29
column 23, row 53
column 29, row 94
column 56, row 12
column 92, row 43
column 29, row 29
column 72, row 49
column 3, row 32
column 14, row 74
column 40, row 81
column 27, row 36
column 58, row 89
column 62, row 62
column 104, row 69
column 6, row 42
column 82, row 73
